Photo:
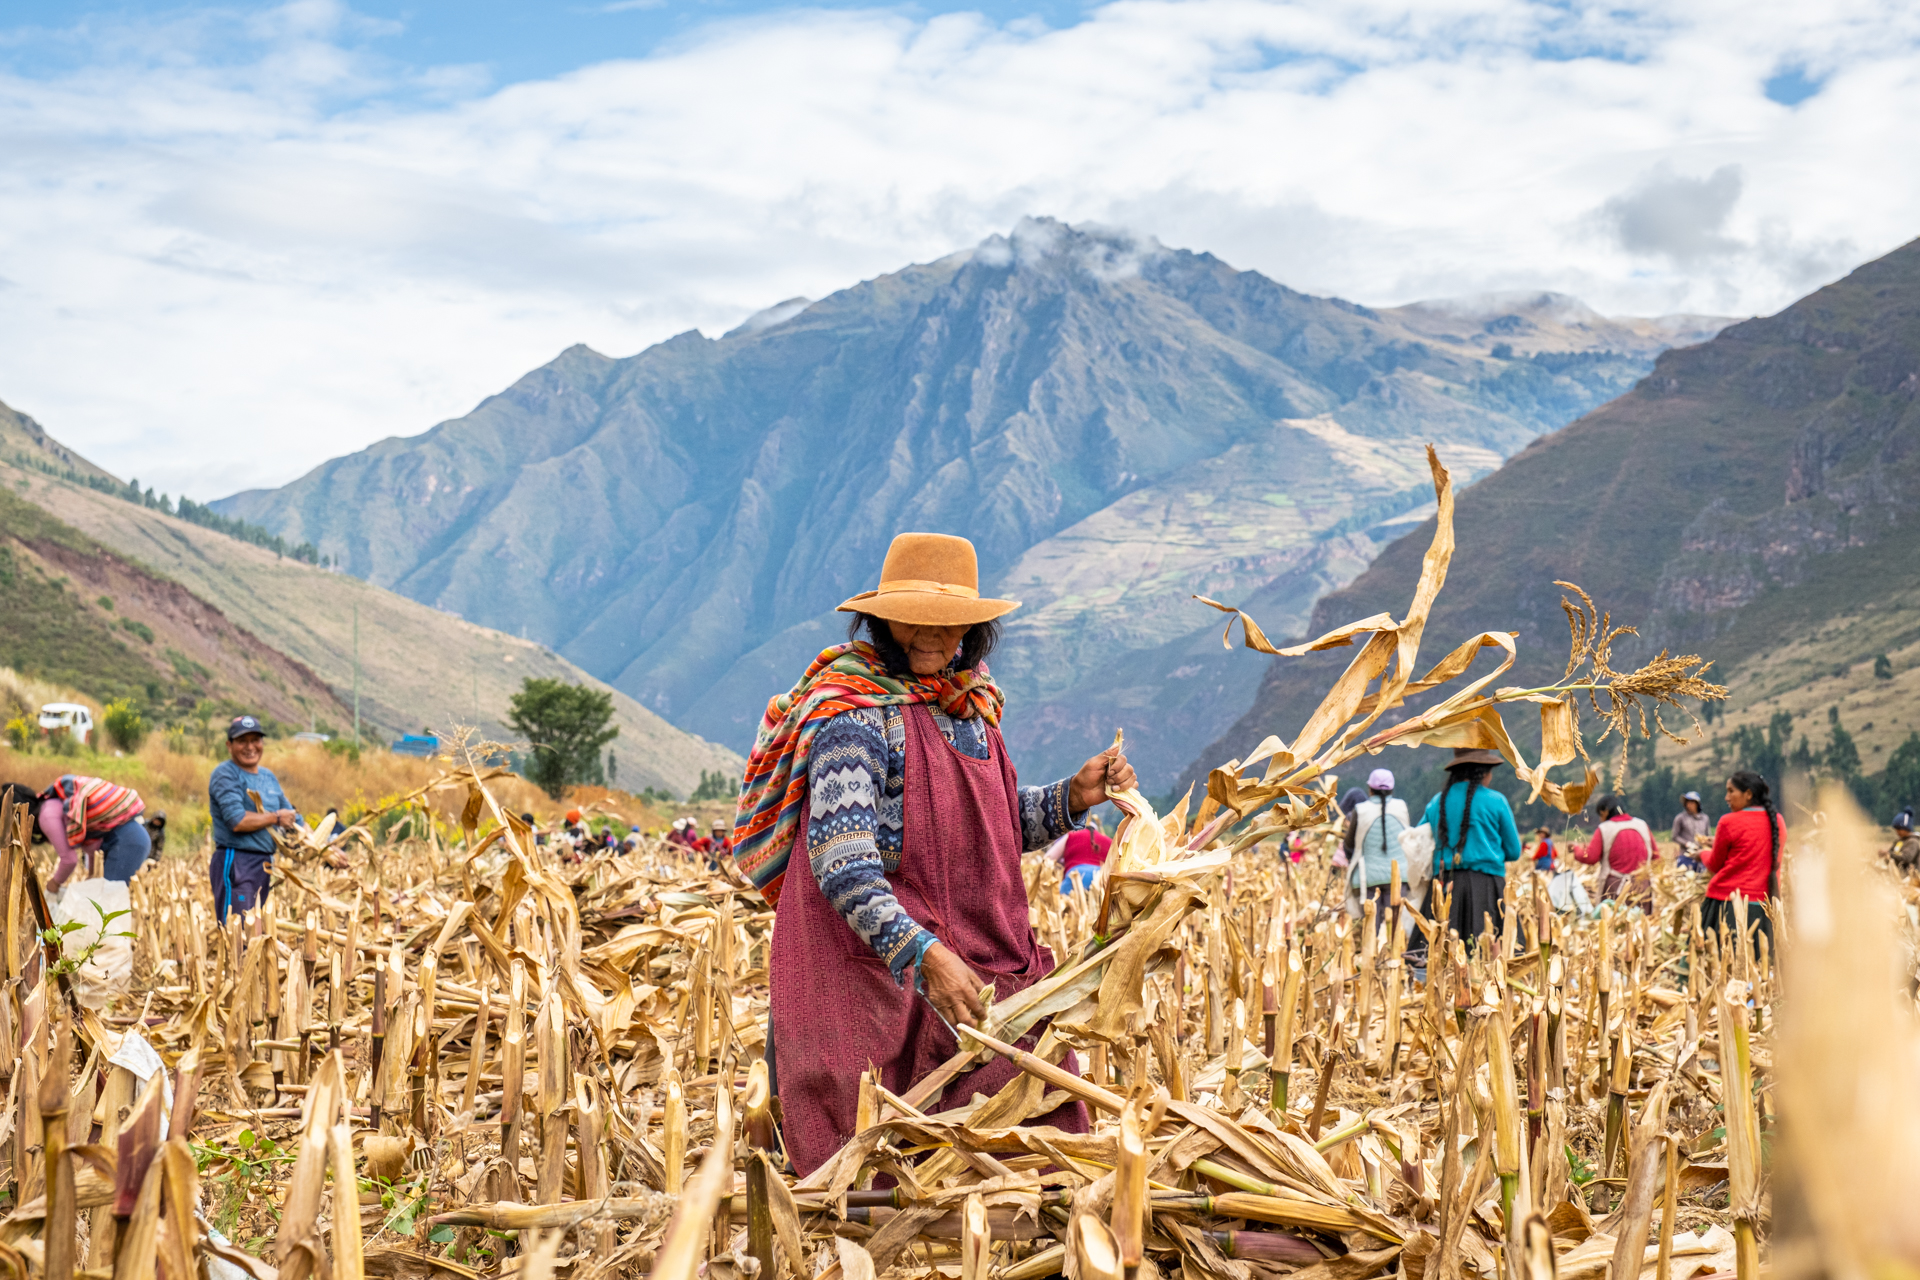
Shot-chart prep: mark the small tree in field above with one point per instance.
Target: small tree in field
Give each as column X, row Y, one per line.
column 565, row 726
column 125, row 726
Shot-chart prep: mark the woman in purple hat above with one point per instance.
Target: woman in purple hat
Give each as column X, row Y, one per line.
column 1371, row 838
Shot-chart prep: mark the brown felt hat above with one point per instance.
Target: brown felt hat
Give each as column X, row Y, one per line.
column 930, row 580
column 1473, row 755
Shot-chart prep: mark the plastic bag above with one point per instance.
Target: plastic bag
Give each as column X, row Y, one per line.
column 109, row 971
column 1567, row 894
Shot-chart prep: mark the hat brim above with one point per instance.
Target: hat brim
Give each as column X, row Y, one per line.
column 928, row 608
column 1475, row 756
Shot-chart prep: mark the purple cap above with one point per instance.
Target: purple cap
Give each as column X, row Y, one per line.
column 1380, row 780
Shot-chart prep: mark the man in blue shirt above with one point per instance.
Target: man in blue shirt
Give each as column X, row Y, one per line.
column 243, row 829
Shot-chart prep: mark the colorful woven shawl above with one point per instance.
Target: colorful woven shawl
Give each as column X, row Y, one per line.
column 772, row 806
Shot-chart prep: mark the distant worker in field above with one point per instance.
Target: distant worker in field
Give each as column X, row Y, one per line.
column 1906, row 846
column 1546, row 858
column 1745, row 858
column 1370, row 837
column 156, row 825
column 881, row 815
column 1474, row 837
column 246, row 803
column 1623, row 847
column 1692, row 832
column 81, row 814
column 719, row 841
column 1082, row 854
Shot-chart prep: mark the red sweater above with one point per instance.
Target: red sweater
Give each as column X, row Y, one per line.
column 1741, row 857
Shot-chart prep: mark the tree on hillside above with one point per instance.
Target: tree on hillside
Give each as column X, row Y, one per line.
column 1764, row 753
column 1900, row 783
column 715, row 786
column 565, row 726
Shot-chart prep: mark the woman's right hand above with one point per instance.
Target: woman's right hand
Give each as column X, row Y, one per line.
column 953, row 988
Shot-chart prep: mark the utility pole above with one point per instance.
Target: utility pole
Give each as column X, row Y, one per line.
column 356, row 675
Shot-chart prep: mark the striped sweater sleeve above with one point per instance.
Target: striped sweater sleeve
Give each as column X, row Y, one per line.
column 845, row 777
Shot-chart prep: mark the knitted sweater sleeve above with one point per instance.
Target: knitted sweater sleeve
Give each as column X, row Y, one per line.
column 1043, row 815
column 845, row 778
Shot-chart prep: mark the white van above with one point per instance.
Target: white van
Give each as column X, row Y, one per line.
column 76, row 719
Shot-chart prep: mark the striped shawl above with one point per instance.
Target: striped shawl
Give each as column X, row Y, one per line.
column 772, row 805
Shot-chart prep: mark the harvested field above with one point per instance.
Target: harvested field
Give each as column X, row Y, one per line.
column 452, row 1056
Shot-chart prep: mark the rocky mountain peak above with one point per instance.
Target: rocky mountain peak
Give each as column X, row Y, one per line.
column 1116, row 424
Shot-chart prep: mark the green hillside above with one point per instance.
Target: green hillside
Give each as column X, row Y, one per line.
column 1750, row 500
column 418, row 667
column 78, row 615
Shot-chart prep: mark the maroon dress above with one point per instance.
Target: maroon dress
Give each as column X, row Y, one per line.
column 836, row 1007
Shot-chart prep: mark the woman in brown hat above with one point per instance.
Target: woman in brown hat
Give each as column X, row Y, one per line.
column 885, row 766
column 1474, row 837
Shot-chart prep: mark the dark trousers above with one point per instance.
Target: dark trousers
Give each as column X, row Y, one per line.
column 1716, row 917
column 239, row 880
column 124, row 849
column 1476, row 896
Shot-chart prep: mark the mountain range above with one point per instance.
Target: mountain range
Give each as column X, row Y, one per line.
column 1750, row 501
column 1115, row 424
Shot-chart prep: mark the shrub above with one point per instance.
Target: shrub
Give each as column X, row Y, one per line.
column 140, row 629
column 19, row 733
column 105, row 602
column 125, row 726
column 1882, row 667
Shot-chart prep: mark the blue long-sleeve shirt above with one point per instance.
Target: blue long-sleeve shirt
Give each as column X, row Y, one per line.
column 857, row 819
column 1491, row 840
column 227, row 803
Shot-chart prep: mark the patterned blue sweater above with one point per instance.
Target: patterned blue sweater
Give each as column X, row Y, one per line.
column 857, row 817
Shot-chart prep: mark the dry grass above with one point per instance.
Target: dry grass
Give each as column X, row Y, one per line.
column 315, row 780
column 24, row 696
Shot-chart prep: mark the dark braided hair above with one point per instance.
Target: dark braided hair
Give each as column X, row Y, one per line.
column 1384, row 850
column 980, row 640
column 1475, row 774
column 1756, row 787
column 21, row 793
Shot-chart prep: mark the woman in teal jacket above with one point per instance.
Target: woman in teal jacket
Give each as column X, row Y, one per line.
column 1474, row 837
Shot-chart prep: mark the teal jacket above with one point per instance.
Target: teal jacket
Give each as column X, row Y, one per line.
column 1491, row 838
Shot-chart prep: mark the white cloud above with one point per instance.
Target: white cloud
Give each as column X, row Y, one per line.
column 234, row 252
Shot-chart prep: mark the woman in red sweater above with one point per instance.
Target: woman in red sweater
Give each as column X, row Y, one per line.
column 1745, row 858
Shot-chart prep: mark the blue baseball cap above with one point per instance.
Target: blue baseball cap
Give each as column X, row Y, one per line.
column 241, row 726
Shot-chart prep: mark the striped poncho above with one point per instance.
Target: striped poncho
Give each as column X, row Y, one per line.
column 772, row 794
column 94, row 806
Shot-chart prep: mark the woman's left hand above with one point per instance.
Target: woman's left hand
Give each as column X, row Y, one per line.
column 1099, row 778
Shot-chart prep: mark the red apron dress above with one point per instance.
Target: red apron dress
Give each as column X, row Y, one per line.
column 836, row 1007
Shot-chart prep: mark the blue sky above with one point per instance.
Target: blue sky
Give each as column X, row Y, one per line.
column 237, row 239
column 511, row 41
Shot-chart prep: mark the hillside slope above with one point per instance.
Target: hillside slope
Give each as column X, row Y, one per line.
column 1750, row 501
column 76, row 614
column 1115, row 425
column 419, row 667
